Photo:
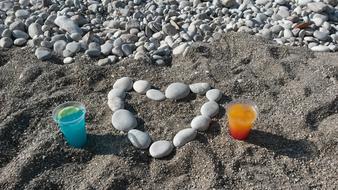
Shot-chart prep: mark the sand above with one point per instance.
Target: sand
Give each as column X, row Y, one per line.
column 294, row 143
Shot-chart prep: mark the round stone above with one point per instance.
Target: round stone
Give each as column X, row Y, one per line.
column 34, row 29
column 43, row 53
column 200, row 123
column 124, row 83
column 68, row 60
column 141, row 86
column 19, row 34
column 139, row 139
column 320, row 48
column 116, row 93
column 6, row 42
column 180, row 49
column 155, row 95
column 214, row 95
column 177, row 91
column 59, row 46
column 199, row 88
column 115, row 103
column 184, row 136
column 210, row 109
column 160, row 149
column 20, row 41
column 123, row 120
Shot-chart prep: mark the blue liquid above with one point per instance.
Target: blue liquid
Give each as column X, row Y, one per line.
column 73, row 126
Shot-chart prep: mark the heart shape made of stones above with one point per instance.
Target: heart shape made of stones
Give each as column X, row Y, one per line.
column 124, row 120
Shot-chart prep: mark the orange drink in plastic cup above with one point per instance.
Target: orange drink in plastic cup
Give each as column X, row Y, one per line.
column 241, row 116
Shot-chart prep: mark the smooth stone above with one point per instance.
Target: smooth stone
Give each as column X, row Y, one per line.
column 67, row 24
column 6, row 33
column 112, row 59
column 6, row 42
column 323, row 36
column 123, row 120
column 214, row 95
column 184, row 136
column 160, row 149
column 43, row 53
column 180, row 49
column 177, row 91
column 155, row 95
column 115, row 103
column 169, row 29
column 200, row 123
column 103, row 62
column 228, row 3
column 320, row 48
column 210, row 109
column 34, row 29
column 59, row 46
column 128, row 49
column 20, row 34
column 116, row 92
column 17, row 25
column 117, row 51
column 68, row 60
column 124, row 83
column 94, row 50
column 199, row 88
column 20, row 41
column 317, row 6
column 73, row 47
column 139, row 139
column 106, row 48
column 141, row 86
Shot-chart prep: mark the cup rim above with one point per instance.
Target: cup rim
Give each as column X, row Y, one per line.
column 243, row 101
column 65, row 104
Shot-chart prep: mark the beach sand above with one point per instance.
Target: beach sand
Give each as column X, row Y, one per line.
column 294, row 144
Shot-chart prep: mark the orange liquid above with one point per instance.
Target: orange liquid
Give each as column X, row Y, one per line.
column 241, row 118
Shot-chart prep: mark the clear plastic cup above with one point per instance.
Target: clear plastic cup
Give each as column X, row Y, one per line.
column 241, row 116
column 70, row 117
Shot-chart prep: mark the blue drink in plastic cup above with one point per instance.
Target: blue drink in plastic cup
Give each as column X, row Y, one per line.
column 70, row 117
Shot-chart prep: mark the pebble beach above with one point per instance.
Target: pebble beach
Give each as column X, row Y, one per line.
column 156, row 77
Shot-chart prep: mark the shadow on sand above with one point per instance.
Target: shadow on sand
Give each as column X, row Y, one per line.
column 281, row 145
column 105, row 144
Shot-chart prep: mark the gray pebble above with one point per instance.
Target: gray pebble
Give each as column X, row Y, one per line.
column 128, row 49
column 214, row 95
column 68, row 60
column 155, row 95
column 139, row 139
column 199, row 88
column 124, row 83
column 115, row 103
column 141, row 86
column 6, row 42
column 34, row 29
column 180, row 49
column 184, row 136
column 320, row 48
column 20, row 34
column 67, row 24
column 73, row 48
column 107, row 47
column 59, row 46
column 103, row 62
column 116, row 92
column 160, row 149
column 323, row 36
column 210, row 109
column 43, row 53
column 200, row 123
column 177, row 91
column 20, row 41
column 123, row 120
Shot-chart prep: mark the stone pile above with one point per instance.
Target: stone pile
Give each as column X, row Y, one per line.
column 157, row 29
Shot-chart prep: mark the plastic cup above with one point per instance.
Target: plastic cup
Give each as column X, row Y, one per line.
column 241, row 116
column 70, row 117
